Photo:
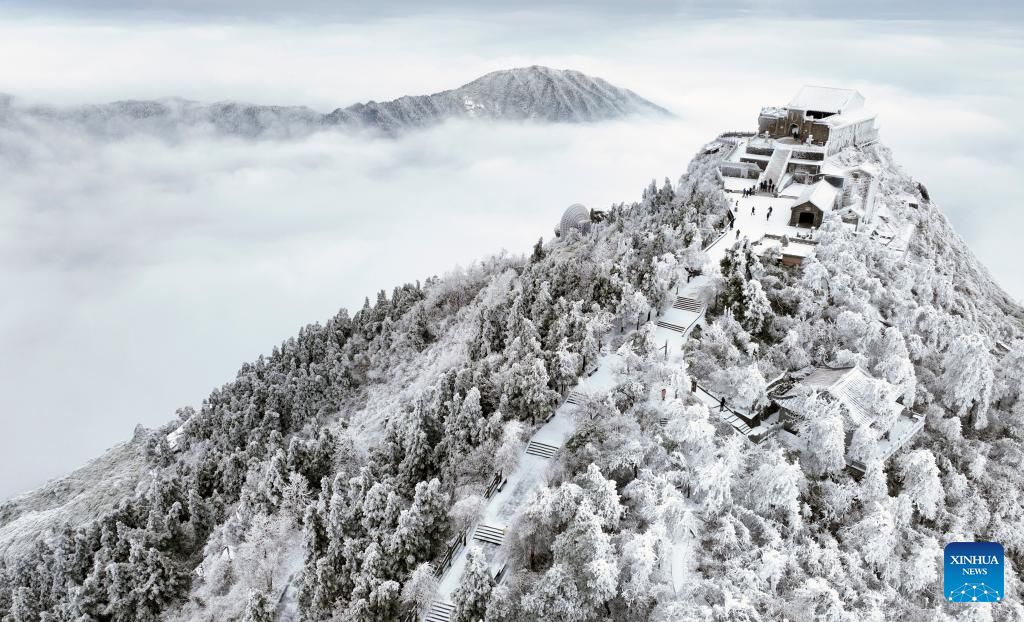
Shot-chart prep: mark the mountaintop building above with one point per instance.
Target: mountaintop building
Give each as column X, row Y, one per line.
column 821, row 116
column 802, row 165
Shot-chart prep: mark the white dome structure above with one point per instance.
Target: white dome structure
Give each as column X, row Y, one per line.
column 577, row 217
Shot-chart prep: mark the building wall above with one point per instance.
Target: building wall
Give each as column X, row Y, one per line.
column 743, row 170
column 820, row 133
column 805, row 208
column 856, row 134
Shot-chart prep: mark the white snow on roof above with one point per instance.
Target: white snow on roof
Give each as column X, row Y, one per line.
column 850, row 386
column 849, row 118
column 822, row 195
column 826, row 99
column 792, row 249
column 864, row 167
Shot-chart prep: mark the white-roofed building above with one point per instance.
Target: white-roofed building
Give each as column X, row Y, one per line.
column 862, row 400
column 821, row 116
column 859, row 192
column 812, row 204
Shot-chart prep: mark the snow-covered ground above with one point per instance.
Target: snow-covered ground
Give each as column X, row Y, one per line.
column 753, row 225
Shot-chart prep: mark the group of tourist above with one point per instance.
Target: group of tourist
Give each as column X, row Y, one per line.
column 766, row 185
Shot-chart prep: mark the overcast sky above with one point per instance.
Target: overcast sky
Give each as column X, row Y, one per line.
column 138, row 275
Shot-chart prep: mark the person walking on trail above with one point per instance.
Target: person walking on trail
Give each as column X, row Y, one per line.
column 721, row 404
column 752, row 208
column 737, row 234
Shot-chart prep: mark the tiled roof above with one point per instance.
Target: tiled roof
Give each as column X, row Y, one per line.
column 850, row 386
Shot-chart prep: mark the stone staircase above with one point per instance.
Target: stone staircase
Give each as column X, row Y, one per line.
column 670, row 326
column 440, row 612
column 489, row 534
column 575, row 398
column 777, row 166
column 730, row 417
column 688, row 304
column 541, row 450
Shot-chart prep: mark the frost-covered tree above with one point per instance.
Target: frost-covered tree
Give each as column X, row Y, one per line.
column 258, row 608
column 817, row 601
column 474, row 591
column 526, row 393
column 824, row 436
column 920, row 570
column 565, row 366
column 641, row 557
column 744, row 387
column 510, row 447
column 422, row 528
column 689, row 429
column 421, row 588
column 776, row 485
column 967, row 378
column 464, row 428
column 633, row 306
column 863, row 444
column 587, row 550
column 716, row 479
column 874, row 536
column 260, row 557
column 756, row 309
column 921, row 483
column 894, row 364
column 555, row 597
column 873, row 486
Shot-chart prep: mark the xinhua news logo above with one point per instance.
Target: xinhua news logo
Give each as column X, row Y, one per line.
column 973, row 572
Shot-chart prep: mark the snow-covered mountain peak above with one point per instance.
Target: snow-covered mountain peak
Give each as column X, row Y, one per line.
column 534, row 93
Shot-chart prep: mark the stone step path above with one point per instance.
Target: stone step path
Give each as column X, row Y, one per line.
column 688, row 304
column 669, row 326
column 777, row 165
column 541, row 450
column 489, row 534
column 575, row 398
column 440, row 612
column 729, row 417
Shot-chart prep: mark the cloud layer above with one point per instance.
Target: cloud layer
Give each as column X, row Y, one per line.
column 138, row 274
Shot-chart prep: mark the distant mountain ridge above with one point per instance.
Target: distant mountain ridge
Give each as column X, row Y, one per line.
column 523, row 94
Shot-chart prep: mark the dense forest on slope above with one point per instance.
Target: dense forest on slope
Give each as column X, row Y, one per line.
column 326, row 478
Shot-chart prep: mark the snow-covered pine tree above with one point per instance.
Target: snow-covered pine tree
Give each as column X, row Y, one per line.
column 968, row 378
column 474, row 591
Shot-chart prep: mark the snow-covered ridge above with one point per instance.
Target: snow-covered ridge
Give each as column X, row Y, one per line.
column 522, row 94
